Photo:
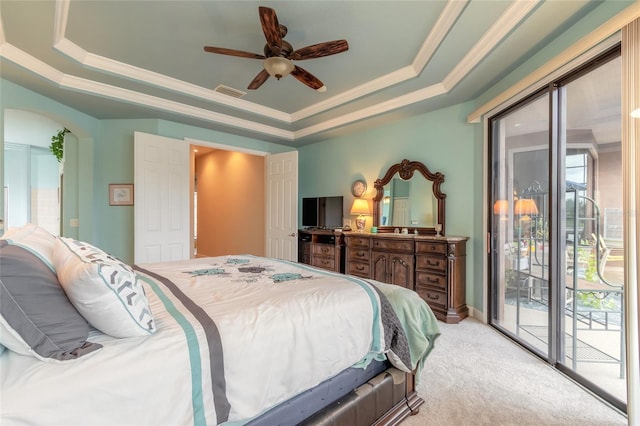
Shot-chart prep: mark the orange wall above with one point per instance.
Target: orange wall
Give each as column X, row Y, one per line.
column 231, row 204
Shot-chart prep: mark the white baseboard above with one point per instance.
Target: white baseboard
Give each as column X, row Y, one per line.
column 476, row 314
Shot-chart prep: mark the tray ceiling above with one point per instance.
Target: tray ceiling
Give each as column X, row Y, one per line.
column 145, row 59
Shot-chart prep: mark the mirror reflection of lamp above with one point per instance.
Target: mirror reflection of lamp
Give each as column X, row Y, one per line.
column 525, row 208
column 501, row 209
column 360, row 207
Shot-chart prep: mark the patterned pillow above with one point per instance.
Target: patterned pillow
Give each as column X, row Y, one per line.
column 31, row 237
column 103, row 289
column 36, row 317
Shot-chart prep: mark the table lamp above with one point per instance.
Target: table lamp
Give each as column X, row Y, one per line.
column 360, row 207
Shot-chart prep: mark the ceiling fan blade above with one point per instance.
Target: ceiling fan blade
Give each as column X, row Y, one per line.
column 307, row 78
column 319, row 50
column 258, row 80
column 271, row 28
column 233, row 52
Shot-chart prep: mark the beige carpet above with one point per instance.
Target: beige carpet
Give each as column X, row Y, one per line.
column 476, row 376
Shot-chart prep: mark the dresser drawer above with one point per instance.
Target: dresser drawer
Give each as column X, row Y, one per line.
column 430, row 247
column 358, row 254
column 323, row 249
column 405, row 246
column 435, row 298
column 357, row 241
column 323, row 262
column 432, row 280
column 432, row 262
column 359, row 269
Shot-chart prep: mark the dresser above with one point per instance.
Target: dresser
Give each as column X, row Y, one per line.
column 435, row 267
column 392, row 261
column 322, row 248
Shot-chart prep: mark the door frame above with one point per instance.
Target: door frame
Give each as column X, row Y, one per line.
column 265, row 154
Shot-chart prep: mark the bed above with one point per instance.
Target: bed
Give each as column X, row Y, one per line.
column 226, row 340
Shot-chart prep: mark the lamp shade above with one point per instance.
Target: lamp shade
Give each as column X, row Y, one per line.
column 360, row 207
column 501, row 207
column 526, row 206
column 278, row 67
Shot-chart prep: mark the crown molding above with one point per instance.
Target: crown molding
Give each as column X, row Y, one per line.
column 30, row 63
column 3, row 40
column 60, row 18
column 357, row 92
column 380, row 108
column 512, row 16
column 83, row 85
column 498, row 31
column 447, row 18
column 130, row 72
column 581, row 47
column 443, row 25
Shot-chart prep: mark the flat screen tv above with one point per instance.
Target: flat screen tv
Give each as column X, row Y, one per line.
column 322, row 212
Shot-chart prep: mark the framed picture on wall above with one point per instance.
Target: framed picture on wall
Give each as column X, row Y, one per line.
column 120, row 194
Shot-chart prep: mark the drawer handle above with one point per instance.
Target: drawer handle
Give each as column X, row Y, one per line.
column 360, row 268
column 433, row 280
column 432, row 248
column 400, row 261
column 360, row 254
column 433, row 262
column 325, row 262
column 325, row 249
column 432, row 297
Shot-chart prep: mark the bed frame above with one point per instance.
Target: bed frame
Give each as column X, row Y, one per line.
column 378, row 402
column 377, row 395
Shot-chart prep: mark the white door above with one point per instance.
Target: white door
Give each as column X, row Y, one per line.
column 400, row 211
column 161, row 199
column 282, row 206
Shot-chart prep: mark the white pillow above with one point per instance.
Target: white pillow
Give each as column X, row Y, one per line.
column 103, row 289
column 31, row 237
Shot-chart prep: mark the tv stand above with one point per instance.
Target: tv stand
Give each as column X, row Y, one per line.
column 322, row 248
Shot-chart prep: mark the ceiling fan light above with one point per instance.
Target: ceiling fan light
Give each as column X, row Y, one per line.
column 322, row 89
column 278, row 67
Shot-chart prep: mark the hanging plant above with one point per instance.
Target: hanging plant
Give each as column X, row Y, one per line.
column 57, row 144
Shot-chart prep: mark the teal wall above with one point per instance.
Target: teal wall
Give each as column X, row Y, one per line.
column 445, row 142
column 104, row 154
column 442, row 140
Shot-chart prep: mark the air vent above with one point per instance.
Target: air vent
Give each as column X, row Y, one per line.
column 229, row 91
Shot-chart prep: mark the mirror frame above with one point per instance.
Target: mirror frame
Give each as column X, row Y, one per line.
column 405, row 170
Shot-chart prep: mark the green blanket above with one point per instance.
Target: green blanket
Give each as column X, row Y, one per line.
column 419, row 322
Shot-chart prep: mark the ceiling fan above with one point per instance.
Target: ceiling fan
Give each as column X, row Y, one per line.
column 279, row 54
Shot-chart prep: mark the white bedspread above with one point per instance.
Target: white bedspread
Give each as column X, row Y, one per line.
column 236, row 335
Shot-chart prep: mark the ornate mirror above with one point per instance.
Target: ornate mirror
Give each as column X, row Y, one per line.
column 405, row 199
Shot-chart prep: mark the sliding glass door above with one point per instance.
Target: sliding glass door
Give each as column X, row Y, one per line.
column 556, row 246
column 520, row 218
